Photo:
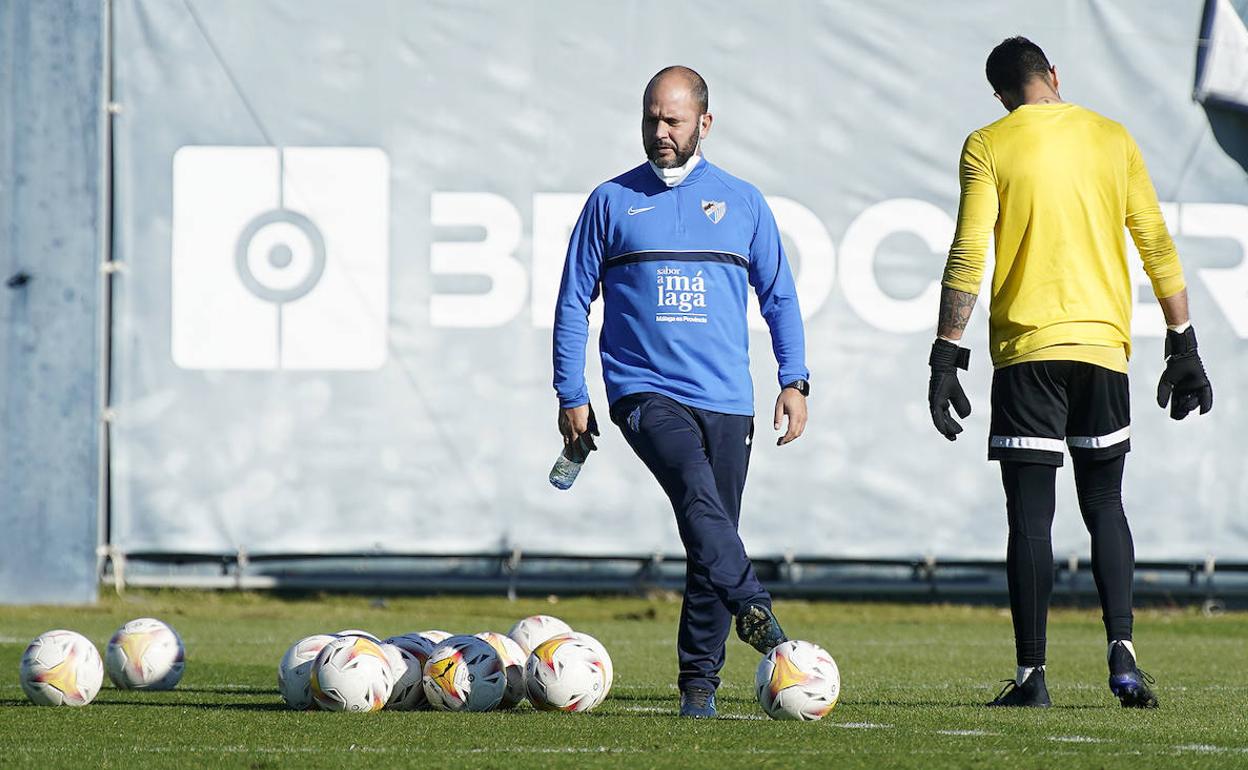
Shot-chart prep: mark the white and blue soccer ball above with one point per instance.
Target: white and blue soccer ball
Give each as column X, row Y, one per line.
column 408, row 693
column 464, row 673
column 797, row 680
column 61, row 668
column 294, row 672
column 513, row 659
column 406, row 671
column 145, row 654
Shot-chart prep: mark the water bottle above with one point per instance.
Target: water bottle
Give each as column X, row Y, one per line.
column 568, row 463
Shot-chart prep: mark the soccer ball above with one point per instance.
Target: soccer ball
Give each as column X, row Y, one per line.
column 145, row 654
column 409, row 691
column 61, row 668
column 434, row 636
column 608, row 668
column 358, row 632
column 535, row 629
column 513, row 664
column 294, row 673
column 416, row 642
column 797, row 680
column 407, row 670
column 351, row 673
column 464, row 674
column 566, row 673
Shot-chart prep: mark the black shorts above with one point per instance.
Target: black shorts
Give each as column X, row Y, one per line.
column 1040, row 405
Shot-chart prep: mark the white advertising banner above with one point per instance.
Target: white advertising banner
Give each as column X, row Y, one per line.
column 343, row 229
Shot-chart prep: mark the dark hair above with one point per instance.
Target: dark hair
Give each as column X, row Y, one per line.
column 1013, row 63
column 697, row 86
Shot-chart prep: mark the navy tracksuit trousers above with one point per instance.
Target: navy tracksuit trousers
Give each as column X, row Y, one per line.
column 700, row 459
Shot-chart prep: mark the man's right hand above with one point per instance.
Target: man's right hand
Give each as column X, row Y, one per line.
column 1184, row 384
column 577, row 422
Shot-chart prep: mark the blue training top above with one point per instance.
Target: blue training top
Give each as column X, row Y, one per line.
column 672, row 265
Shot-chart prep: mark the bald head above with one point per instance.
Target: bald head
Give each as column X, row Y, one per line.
column 678, row 79
column 674, row 116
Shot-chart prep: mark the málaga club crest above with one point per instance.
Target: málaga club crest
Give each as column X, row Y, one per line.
column 714, row 210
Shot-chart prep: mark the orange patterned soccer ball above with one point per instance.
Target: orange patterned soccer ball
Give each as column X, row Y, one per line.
column 351, row 673
column 294, row 672
column 535, row 629
column 61, row 668
column 608, row 668
column 797, row 680
column 145, row 654
column 434, row 636
column 566, row 673
column 464, row 673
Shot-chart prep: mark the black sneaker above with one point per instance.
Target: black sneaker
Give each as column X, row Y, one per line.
column 1031, row 693
column 758, row 627
column 1126, row 681
column 698, row 703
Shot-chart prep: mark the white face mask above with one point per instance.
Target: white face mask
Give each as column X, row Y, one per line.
column 675, row 175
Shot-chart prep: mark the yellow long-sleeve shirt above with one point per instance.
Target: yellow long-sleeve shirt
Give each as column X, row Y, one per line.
column 1056, row 183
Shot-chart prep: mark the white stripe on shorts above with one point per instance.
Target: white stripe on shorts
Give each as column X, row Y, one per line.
column 1100, row 442
column 1026, row 442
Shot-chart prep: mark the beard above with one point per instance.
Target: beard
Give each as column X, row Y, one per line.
column 681, row 157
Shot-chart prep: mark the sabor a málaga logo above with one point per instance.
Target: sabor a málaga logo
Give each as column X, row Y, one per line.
column 681, row 298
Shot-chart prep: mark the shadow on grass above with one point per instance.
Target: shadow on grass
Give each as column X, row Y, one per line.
column 943, row 704
column 672, row 698
column 640, row 697
column 1083, row 707
column 278, row 706
column 231, row 690
column 177, row 704
column 973, row 705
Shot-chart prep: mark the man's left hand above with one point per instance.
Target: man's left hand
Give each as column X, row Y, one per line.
column 943, row 389
column 579, row 423
column 790, row 404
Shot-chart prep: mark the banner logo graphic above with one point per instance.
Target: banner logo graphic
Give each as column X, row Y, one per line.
column 280, row 258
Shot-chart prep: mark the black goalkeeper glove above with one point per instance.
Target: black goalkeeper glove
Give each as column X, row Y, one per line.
column 1184, row 382
column 944, row 388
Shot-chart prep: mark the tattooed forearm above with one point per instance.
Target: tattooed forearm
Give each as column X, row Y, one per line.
column 955, row 312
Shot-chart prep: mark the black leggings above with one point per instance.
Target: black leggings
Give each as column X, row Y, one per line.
column 1030, row 504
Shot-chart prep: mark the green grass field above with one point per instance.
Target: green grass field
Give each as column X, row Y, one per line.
column 913, row 677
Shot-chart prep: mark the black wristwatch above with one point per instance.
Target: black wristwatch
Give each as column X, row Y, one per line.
column 801, row 386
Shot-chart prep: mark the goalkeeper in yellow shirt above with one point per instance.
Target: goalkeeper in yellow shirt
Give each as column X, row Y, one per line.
column 1054, row 184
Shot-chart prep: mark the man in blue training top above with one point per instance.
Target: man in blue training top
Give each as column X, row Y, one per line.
column 671, row 246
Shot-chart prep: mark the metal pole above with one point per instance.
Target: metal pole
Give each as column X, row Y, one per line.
column 104, row 320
